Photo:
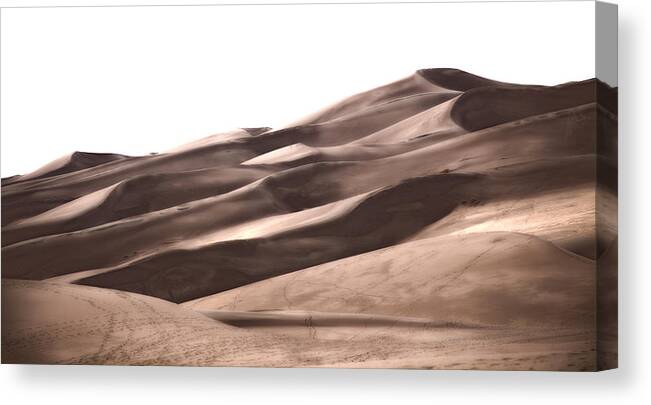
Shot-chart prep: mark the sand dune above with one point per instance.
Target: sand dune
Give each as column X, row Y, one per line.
column 32, row 198
column 485, row 107
column 134, row 196
column 65, row 324
column 69, row 163
column 305, row 187
column 458, row 80
column 409, row 86
column 220, row 138
column 444, row 220
column 174, row 240
column 418, row 279
column 434, row 123
column 438, row 80
column 215, row 260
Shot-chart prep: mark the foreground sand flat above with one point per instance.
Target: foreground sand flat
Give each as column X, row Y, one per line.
column 67, row 324
column 442, row 221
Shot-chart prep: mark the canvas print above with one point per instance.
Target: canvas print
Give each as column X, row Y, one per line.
column 442, row 219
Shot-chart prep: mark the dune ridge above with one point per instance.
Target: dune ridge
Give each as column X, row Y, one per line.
column 69, row 163
column 444, row 220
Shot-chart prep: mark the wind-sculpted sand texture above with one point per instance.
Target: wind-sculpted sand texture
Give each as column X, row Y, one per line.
column 441, row 221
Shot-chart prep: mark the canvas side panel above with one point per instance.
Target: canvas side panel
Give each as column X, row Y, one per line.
column 606, row 193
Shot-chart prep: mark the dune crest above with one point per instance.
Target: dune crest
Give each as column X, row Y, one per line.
column 66, row 164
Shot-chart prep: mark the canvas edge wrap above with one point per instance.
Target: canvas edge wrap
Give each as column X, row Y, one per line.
column 606, row 59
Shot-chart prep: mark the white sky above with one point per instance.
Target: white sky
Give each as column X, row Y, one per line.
column 144, row 79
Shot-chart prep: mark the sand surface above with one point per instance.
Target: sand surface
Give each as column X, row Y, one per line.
column 56, row 323
column 441, row 221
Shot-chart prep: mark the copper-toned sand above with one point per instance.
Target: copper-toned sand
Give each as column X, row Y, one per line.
column 441, row 221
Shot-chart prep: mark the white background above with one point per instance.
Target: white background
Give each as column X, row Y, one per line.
column 135, row 80
column 629, row 384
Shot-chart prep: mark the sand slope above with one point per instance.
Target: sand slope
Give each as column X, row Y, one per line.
column 64, row 324
column 69, row 163
column 134, row 196
column 444, row 220
column 54, row 323
column 418, row 279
